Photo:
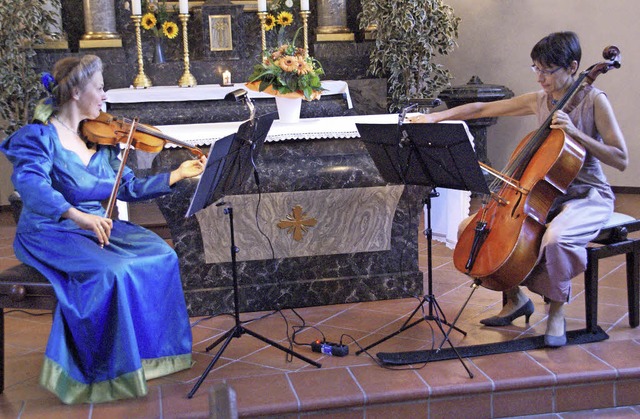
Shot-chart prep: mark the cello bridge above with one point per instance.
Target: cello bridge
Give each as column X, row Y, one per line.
column 500, row 200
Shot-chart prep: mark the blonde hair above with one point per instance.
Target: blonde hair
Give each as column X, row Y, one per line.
column 73, row 72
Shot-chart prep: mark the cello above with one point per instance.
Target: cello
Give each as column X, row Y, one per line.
column 500, row 246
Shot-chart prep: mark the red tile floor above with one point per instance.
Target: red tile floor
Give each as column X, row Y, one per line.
column 592, row 380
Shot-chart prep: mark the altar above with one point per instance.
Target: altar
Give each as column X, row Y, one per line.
column 322, row 227
column 173, row 105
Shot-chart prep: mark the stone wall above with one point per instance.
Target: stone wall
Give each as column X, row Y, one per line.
column 341, row 60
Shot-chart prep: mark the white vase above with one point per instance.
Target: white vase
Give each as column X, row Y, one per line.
column 288, row 109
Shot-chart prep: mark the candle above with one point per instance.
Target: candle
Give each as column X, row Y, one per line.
column 226, row 78
column 262, row 5
column 304, row 5
column 136, row 7
column 184, row 7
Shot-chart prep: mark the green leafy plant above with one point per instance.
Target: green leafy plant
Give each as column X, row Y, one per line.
column 408, row 35
column 23, row 28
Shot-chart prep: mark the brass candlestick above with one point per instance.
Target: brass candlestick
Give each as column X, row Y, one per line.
column 304, row 14
column 263, row 17
column 187, row 79
column 141, row 79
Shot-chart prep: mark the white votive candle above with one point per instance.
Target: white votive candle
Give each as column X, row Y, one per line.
column 136, row 7
column 262, row 5
column 226, row 77
column 184, row 7
column 304, row 5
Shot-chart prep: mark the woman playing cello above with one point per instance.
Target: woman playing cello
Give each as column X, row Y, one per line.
column 575, row 217
column 121, row 317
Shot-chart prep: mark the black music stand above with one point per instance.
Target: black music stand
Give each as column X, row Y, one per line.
column 229, row 164
column 432, row 155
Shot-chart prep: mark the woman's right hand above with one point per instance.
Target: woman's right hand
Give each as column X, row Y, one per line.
column 422, row 118
column 101, row 226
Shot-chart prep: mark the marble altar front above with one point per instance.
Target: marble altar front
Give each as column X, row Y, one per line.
column 321, row 228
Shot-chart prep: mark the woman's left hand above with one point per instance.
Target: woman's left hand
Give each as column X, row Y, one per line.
column 562, row 121
column 188, row 169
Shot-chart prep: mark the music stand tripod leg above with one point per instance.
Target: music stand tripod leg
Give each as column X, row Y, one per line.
column 238, row 330
column 430, row 297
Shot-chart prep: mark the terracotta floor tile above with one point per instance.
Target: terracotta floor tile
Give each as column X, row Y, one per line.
column 583, row 397
column 414, row 409
column 271, row 395
column 395, row 386
column 514, row 371
column 628, row 393
column 146, row 407
column 176, row 405
column 523, row 403
column 469, row 406
column 451, row 378
column 36, row 410
column 623, row 355
column 322, row 389
column 573, row 364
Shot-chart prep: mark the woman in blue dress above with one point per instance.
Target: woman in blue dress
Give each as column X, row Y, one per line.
column 121, row 317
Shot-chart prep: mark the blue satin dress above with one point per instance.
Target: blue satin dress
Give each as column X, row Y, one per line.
column 121, row 318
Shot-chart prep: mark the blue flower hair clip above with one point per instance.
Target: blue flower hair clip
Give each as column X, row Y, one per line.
column 48, row 81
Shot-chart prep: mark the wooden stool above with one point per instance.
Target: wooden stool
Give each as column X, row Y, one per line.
column 611, row 241
column 22, row 287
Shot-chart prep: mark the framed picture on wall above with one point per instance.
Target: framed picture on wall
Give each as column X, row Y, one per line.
column 220, row 35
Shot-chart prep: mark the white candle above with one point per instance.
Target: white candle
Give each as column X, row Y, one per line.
column 304, row 5
column 262, row 5
column 226, row 77
column 184, row 7
column 136, row 7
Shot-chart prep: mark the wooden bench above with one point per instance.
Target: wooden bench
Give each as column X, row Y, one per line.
column 22, row 287
column 611, row 241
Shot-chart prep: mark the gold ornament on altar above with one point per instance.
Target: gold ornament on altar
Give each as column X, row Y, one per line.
column 297, row 223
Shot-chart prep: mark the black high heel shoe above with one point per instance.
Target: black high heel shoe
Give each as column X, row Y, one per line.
column 526, row 310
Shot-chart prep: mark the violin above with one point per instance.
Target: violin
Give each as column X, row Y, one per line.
column 107, row 129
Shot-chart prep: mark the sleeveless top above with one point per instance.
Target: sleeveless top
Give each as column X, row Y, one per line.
column 591, row 176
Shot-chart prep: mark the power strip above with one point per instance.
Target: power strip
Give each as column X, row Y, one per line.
column 329, row 348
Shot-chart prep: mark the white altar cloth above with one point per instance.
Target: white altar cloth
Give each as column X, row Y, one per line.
column 447, row 210
column 206, row 92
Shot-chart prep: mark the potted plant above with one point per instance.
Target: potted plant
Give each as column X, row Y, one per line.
column 408, row 34
column 285, row 71
column 23, row 28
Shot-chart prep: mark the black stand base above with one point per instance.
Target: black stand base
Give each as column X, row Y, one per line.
column 408, row 324
column 236, row 332
column 574, row 337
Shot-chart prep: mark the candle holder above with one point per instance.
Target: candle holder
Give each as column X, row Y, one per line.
column 263, row 17
column 304, row 14
column 187, row 79
column 141, row 79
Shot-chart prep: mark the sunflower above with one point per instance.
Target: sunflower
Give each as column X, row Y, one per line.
column 288, row 64
column 269, row 22
column 149, row 21
column 285, row 19
column 302, row 67
column 170, row 29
